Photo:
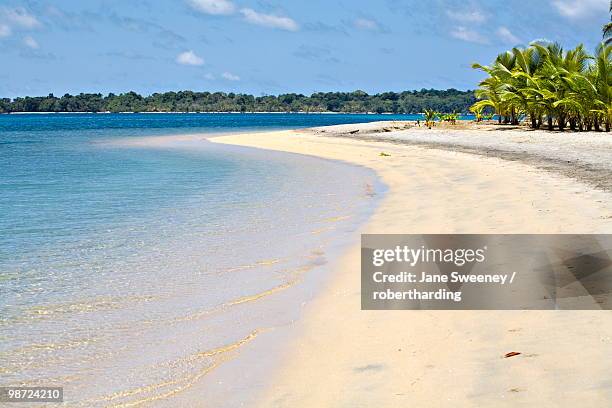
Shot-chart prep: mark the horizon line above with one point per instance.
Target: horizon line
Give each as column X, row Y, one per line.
column 106, row 94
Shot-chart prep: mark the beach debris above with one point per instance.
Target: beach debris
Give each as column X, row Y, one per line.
column 369, row 190
column 511, row 354
column 352, row 132
column 370, row 367
column 386, row 130
column 383, row 154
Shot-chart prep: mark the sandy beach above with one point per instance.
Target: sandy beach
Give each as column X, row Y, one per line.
column 441, row 181
column 280, row 204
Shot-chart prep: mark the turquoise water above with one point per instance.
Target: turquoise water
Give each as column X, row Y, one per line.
column 130, row 271
column 180, row 122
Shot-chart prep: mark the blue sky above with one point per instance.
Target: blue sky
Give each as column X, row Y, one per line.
column 272, row 46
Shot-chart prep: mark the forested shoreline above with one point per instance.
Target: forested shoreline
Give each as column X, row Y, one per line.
column 450, row 100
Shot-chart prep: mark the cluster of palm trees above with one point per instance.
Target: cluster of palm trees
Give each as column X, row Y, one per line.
column 542, row 83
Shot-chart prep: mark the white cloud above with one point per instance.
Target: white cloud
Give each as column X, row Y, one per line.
column 269, row 20
column 474, row 16
column 30, row 42
column 541, row 41
column 365, row 24
column 20, row 17
column 581, row 9
column 468, row 35
column 218, row 7
column 507, row 36
column 189, row 58
column 230, row 77
column 5, row 30
column 209, row 76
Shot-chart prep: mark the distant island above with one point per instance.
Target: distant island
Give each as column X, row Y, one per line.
column 450, row 100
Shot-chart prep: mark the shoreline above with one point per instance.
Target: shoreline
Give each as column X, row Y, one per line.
column 219, row 112
column 233, row 251
column 281, row 303
column 340, row 355
column 584, row 156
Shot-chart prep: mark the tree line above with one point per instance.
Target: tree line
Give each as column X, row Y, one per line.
column 450, row 100
column 544, row 83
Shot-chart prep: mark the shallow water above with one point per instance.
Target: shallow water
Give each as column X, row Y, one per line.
column 129, row 272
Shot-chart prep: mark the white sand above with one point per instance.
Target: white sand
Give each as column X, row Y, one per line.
column 345, row 357
column 582, row 155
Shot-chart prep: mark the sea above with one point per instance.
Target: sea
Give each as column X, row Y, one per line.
column 145, row 274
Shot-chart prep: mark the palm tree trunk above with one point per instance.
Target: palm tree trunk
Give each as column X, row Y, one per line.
column 550, row 122
column 597, row 129
column 534, row 121
column 561, row 121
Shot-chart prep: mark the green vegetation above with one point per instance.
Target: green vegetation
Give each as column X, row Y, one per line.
column 479, row 116
column 449, row 117
column 450, row 100
column 543, row 81
column 430, row 117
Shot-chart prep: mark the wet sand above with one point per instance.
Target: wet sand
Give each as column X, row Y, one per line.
column 341, row 356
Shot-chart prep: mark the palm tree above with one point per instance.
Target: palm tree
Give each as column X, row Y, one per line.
column 430, row 117
column 601, row 79
column 477, row 114
column 525, row 83
column 492, row 90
